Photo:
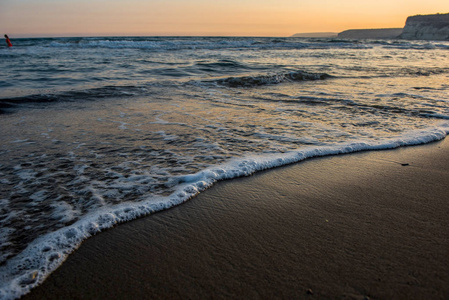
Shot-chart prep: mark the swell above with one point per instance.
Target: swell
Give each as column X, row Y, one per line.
column 269, row 79
column 376, row 109
column 7, row 104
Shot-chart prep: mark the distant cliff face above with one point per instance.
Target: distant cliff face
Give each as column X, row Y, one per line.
column 427, row 27
column 381, row 33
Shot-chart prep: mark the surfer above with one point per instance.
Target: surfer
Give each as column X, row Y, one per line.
column 8, row 41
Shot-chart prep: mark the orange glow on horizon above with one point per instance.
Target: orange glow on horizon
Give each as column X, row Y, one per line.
column 201, row 17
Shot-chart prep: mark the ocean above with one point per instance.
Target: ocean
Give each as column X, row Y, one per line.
column 99, row 131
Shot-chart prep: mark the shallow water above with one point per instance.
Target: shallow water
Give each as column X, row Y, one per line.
column 97, row 131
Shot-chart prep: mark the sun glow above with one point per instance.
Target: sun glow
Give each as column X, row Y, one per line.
column 200, row 17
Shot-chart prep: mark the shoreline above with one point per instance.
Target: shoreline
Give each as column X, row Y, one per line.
column 368, row 224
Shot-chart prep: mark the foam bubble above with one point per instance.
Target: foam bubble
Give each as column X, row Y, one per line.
column 63, row 212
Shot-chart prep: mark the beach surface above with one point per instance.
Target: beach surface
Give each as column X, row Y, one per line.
column 366, row 225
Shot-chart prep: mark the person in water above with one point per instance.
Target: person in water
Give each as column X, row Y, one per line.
column 8, row 41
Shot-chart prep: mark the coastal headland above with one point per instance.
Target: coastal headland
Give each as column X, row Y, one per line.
column 427, row 27
column 419, row 27
column 382, row 33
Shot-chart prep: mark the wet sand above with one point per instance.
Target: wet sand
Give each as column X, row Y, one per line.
column 367, row 225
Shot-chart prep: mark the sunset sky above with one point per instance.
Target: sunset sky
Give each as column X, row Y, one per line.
column 20, row 18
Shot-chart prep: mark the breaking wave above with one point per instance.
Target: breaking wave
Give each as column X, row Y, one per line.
column 42, row 256
column 258, row 80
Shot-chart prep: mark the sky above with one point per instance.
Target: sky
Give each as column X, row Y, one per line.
column 32, row 18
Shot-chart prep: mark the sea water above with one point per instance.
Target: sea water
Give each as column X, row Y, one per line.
column 99, row 131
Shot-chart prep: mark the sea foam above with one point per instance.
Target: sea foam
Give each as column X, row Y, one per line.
column 26, row 270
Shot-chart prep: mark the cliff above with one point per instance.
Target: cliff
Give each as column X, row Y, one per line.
column 427, row 27
column 383, row 33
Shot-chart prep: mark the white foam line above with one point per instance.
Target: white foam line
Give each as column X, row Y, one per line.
column 46, row 253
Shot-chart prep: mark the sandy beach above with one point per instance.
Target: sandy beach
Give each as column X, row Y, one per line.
column 366, row 225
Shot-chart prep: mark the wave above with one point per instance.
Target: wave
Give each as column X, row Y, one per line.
column 367, row 108
column 417, row 72
column 416, row 45
column 156, row 44
column 220, row 43
column 169, row 44
column 221, row 65
column 31, row 267
column 6, row 104
column 268, row 79
column 11, row 103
